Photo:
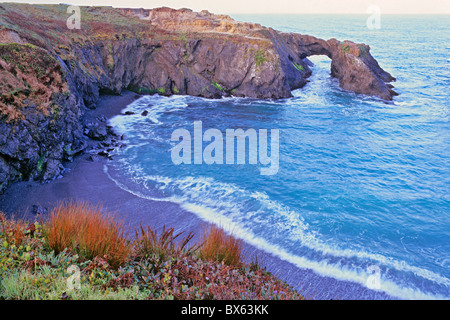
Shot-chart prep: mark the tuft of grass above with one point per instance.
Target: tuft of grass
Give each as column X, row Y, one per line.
column 84, row 229
column 220, row 247
column 161, row 246
column 12, row 231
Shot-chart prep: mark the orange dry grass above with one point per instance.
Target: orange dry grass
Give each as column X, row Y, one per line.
column 12, row 230
column 84, row 229
column 221, row 247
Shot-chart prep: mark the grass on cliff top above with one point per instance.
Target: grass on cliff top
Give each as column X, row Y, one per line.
column 81, row 253
column 46, row 26
column 29, row 75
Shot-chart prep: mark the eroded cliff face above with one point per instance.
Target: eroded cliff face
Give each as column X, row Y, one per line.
column 50, row 73
column 39, row 124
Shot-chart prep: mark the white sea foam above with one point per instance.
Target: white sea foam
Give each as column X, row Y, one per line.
column 154, row 105
column 210, row 191
column 228, row 215
column 321, row 267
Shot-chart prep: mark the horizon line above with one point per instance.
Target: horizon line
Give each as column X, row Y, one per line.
column 230, row 13
column 355, row 14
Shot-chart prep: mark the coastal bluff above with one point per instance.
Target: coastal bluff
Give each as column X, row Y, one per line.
column 51, row 74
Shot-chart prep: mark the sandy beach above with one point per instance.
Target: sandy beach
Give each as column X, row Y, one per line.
column 86, row 180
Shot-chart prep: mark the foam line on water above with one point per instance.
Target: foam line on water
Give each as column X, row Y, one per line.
column 154, row 105
column 136, row 193
column 321, row 267
column 209, row 191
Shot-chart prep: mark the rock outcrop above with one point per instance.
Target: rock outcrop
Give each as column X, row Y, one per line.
column 50, row 74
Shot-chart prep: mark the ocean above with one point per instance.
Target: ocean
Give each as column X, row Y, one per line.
column 362, row 191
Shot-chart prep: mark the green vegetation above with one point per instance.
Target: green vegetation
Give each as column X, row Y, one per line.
column 260, row 57
column 205, row 89
column 217, row 86
column 362, row 49
column 149, row 91
column 41, row 161
column 351, row 48
column 184, row 38
column 81, row 253
column 19, row 55
column 110, row 62
column 143, row 90
column 297, row 66
column 56, row 110
column 345, row 48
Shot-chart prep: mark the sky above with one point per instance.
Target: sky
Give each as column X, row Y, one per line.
column 276, row 6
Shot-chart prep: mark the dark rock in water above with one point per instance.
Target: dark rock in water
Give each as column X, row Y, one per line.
column 357, row 71
column 144, row 113
column 129, row 113
column 93, row 158
column 37, row 210
column 105, row 144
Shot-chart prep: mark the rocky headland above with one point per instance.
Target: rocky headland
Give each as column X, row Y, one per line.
column 51, row 75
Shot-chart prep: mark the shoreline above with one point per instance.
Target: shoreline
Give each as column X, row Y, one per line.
column 86, row 180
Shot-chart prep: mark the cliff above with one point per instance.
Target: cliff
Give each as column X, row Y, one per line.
column 50, row 73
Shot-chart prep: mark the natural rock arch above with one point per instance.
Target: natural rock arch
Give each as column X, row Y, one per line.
column 351, row 63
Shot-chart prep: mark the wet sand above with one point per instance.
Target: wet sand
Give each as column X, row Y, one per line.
column 86, row 180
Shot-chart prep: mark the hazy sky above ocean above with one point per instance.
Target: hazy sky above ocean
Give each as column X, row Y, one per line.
column 280, row 6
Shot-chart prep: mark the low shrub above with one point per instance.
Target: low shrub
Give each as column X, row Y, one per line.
column 81, row 245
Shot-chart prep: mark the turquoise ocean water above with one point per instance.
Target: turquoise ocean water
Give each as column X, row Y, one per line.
column 363, row 187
